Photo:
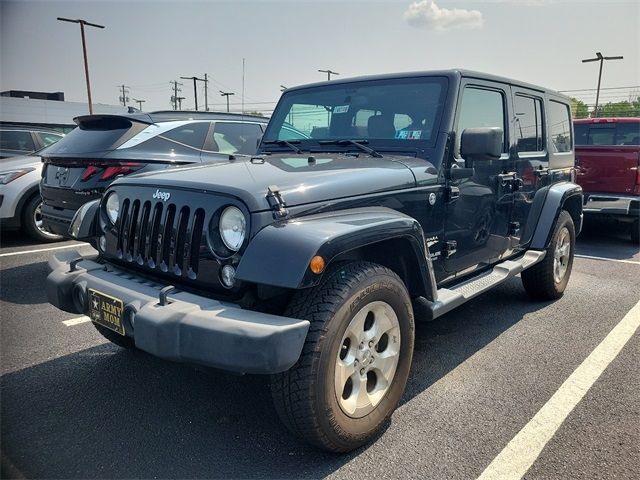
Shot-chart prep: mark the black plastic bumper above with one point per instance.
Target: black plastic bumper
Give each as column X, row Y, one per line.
column 612, row 205
column 188, row 328
column 57, row 220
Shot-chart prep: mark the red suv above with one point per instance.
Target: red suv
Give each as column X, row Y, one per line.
column 608, row 168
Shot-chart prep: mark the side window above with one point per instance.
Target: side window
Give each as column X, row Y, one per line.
column 48, row 138
column 17, row 140
column 236, row 137
column 560, row 127
column 480, row 108
column 191, row 134
column 529, row 124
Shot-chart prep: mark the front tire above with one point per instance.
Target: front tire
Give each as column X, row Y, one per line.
column 355, row 362
column 32, row 221
column 548, row 279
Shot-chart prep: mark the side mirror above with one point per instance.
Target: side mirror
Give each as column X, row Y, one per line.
column 481, row 143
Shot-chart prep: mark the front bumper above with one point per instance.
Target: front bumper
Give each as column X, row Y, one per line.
column 188, row 328
column 614, row 205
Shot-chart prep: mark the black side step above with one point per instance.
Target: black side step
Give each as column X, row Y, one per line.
column 450, row 298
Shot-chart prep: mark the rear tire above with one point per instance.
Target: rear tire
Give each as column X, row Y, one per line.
column 548, row 279
column 115, row 338
column 32, row 221
column 356, row 359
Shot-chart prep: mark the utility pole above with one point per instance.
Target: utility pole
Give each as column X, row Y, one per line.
column 195, row 90
column 601, row 59
column 123, row 98
column 139, row 102
column 84, row 53
column 179, row 100
column 206, row 102
column 174, row 97
column 226, row 94
column 329, row 73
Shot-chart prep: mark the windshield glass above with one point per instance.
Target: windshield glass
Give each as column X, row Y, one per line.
column 401, row 112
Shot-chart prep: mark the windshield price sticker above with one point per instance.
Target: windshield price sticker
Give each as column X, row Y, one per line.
column 341, row 109
column 409, row 135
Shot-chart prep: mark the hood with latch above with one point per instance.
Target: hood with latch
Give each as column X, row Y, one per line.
column 300, row 179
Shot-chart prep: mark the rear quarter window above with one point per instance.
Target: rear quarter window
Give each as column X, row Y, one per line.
column 560, row 127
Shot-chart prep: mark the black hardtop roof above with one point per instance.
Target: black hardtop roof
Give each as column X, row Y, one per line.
column 455, row 73
column 172, row 115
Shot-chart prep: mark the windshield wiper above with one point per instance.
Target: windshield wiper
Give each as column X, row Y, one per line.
column 288, row 143
column 357, row 143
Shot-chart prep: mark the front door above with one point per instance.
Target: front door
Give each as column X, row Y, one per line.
column 479, row 207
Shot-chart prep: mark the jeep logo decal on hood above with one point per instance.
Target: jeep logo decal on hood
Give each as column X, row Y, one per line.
column 164, row 196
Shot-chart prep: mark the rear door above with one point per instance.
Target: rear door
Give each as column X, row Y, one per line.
column 531, row 154
column 608, row 156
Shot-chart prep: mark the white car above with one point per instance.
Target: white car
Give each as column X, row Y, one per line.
column 20, row 201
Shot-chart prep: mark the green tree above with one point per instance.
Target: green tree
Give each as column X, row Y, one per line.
column 579, row 109
column 256, row 114
column 620, row 109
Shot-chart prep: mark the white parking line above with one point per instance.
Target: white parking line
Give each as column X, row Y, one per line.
column 76, row 321
column 24, row 252
column 608, row 259
column 523, row 450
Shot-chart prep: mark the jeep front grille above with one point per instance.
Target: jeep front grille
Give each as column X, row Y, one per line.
column 162, row 236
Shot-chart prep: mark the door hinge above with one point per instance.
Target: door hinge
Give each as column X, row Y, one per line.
column 276, row 202
column 454, row 193
column 449, row 248
column 514, row 228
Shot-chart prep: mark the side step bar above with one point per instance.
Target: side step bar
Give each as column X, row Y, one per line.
column 450, row 298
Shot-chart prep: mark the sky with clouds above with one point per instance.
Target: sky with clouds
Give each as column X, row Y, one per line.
column 147, row 44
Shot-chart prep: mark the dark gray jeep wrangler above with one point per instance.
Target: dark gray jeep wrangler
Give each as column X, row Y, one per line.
column 374, row 202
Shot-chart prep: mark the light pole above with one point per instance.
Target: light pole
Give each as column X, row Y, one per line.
column 226, row 94
column 84, row 52
column 139, row 102
column 601, row 59
column 329, row 73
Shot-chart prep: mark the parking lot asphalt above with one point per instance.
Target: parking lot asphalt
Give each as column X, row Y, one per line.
column 74, row 406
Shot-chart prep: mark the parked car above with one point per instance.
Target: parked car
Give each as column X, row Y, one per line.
column 608, row 169
column 23, row 140
column 105, row 147
column 312, row 261
column 20, row 202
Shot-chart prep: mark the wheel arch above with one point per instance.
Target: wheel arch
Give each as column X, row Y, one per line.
column 561, row 196
column 279, row 255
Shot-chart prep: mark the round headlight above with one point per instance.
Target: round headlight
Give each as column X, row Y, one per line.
column 112, row 207
column 233, row 227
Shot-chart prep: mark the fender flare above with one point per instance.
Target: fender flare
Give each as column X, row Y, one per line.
column 279, row 254
column 557, row 197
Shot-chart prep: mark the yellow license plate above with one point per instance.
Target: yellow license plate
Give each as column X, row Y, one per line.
column 106, row 310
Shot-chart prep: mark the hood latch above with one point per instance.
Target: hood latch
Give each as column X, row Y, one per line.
column 277, row 203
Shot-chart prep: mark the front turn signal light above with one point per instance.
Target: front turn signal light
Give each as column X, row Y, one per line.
column 317, row 264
